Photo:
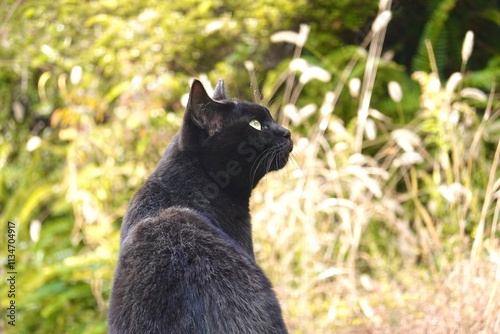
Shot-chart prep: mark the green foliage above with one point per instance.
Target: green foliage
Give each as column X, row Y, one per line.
column 447, row 22
column 90, row 96
column 434, row 32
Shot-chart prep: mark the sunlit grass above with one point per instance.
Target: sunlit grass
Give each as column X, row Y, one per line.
column 403, row 239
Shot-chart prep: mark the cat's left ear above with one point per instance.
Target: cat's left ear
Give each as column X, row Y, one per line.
column 220, row 91
column 201, row 109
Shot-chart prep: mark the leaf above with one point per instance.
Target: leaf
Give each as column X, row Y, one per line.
column 116, row 91
column 37, row 195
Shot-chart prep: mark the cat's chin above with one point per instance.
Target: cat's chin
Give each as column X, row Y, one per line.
column 279, row 164
column 281, row 156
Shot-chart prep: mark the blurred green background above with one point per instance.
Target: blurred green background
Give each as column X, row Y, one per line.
column 90, row 95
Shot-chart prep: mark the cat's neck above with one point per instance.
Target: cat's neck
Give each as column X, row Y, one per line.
column 226, row 208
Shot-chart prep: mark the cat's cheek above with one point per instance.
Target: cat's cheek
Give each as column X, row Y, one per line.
column 262, row 141
column 233, row 168
column 247, row 152
column 267, row 138
column 255, row 143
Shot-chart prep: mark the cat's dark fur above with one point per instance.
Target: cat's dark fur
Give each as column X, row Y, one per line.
column 186, row 261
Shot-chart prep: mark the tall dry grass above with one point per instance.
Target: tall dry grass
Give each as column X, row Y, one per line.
column 402, row 239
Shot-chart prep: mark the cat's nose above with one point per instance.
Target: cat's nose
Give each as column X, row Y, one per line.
column 281, row 131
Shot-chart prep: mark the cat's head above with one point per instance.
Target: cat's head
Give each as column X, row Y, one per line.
column 235, row 142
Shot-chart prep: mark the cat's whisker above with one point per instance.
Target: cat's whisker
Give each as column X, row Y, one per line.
column 270, row 160
column 258, row 161
column 284, row 170
column 266, row 160
column 274, row 157
column 295, row 165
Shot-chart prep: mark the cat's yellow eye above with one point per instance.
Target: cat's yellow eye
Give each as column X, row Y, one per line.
column 255, row 124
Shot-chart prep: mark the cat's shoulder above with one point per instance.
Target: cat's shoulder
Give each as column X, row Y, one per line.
column 180, row 230
column 169, row 223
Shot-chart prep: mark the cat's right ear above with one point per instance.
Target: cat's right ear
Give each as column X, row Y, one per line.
column 200, row 109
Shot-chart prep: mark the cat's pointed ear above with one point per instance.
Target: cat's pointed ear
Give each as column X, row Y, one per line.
column 220, row 91
column 201, row 109
column 198, row 96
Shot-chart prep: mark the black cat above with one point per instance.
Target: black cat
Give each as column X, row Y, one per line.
column 186, row 261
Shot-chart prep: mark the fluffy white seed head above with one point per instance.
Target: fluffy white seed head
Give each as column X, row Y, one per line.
column 467, row 46
column 354, row 86
column 298, row 64
column 303, row 34
column 395, row 91
column 76, row 75
column 250, row 67
column 315, row 72
column 33, row 143
column 285, row 36
column 453, row 82
column 381, row 21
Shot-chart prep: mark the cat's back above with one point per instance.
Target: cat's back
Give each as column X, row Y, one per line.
column 179, row 273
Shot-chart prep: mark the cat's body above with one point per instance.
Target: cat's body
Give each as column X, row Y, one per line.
column 186, row 260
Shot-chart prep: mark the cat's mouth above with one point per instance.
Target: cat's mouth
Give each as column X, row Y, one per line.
column 282, row 154
column 290, row 146
column 271, row 159
column 286, row 146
